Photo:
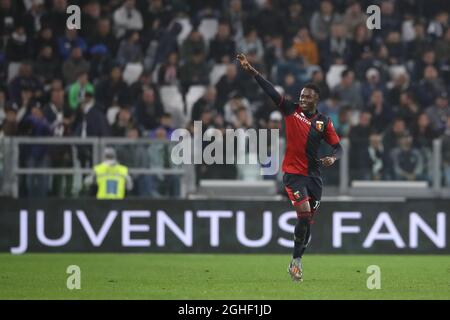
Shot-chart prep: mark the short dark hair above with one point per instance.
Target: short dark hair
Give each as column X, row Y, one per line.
column 313, row 87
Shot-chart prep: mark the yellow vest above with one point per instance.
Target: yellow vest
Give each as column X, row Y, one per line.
column 111, row 180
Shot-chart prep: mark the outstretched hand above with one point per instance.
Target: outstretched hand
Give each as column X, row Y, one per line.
column 245, row 64
column 327, row 161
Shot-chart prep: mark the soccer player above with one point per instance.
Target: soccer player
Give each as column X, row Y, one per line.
column 305, row 128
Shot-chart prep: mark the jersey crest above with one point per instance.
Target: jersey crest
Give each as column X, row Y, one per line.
column 319, row 126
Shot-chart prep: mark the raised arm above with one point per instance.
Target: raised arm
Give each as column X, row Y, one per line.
column 268, row 87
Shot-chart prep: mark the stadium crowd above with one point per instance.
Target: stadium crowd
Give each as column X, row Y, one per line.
column 121, row 74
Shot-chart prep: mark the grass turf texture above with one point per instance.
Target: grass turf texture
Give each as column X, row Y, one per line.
column 189, row 276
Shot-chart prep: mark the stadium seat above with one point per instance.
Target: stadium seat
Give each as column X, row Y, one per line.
column 194, row 93
column 186, row 28
column 171, row 97
column 111, row 114
column 172, row 101
column 13, row 70
column 132, row 72
column 216, row 73
column 334, row 75
column 208, row 28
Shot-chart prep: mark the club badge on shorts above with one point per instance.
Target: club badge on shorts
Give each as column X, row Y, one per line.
column 319, row 125
column 297, row 195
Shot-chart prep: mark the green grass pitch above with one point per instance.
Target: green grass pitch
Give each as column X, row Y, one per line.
column 205, row 276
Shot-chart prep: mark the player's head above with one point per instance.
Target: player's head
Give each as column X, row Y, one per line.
column 109, row 154
column 309, row 97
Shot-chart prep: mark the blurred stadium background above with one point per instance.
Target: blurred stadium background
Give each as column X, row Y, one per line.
column 137, row 70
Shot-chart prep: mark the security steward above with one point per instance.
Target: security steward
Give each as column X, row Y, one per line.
column 111, row 177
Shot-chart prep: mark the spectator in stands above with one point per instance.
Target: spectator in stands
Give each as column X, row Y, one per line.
column 306, row 47
column 439, row 112
column 400, row 83
column 35, row 125
column 129, row 49
column 122, row 124
column 10, row 125
column 395, row 47
column 46, row 66
column 112, row 90
column 78, row 90
column 424, row 134
column 349, row 90
column 428, row 58
column 359, row 44
column 268, row 21
column 335, row 44
column 25, row 79
column 359, row 140
column 222, row 48
column 251, row 43
column 446, row 153
column 429, row 87
column 18, row 45
column 60, row 119
column 443, row 47
column 294, row 19
column 227, row 85
column 235, row 106
column 75, row 65
column 292, row 63
column 3, row 104
column 45, row 38
column 157, row 15
column 55, row 111
column 376, row 158
column 69, row 41
column 165, row 122
column 194, row 72
column 135, row 156
column 144, row 81
column 127, row 18
column 437, row 26
column 91, row 121
column 104, row 36
column 193, row 45
column 391, row 138
column 372, row 82
column 290, row 86
column 274, row 51
column 391, row 20
column 207, row 101
column 148, row 110
column 159, row 158
column 56, row 18
column 407, row 108
column 322, row 20
column 317, row 77
column 237, row 18
column 100, row 62
column 168, row 73
column 167, row 43
column 330, row 106
column 90, row 15
column 9, row 18
column 382, row 113
column 407, row 161
column 353, row 17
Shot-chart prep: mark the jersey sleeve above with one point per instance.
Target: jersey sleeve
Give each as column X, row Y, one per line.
column 331, row 136
column 286, row 107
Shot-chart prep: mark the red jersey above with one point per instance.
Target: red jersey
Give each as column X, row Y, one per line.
column 303, row 137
